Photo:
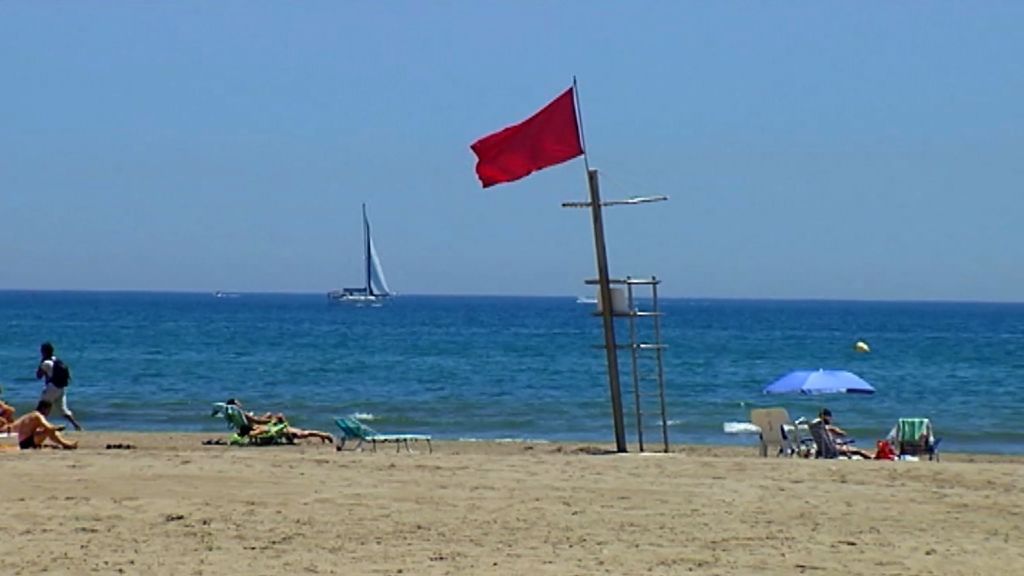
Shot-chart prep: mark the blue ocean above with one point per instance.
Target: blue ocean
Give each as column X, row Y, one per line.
column 513, row 367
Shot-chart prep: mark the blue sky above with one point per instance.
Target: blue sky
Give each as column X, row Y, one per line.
column 810, row 149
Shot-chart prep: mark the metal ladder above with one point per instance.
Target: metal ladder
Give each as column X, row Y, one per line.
column 644, row 349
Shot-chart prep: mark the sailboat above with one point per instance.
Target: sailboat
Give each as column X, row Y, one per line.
column 375, row 288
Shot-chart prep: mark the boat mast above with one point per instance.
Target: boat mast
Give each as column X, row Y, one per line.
column 366, row 252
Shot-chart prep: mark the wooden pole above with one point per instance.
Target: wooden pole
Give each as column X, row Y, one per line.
column 604, row 286
column 607, row 314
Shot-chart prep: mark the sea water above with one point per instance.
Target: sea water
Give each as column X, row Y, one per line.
column 514, row 367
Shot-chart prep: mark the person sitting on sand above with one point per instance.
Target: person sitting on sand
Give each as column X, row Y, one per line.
column 33, row 429
column 6, row 412
column 825, row 434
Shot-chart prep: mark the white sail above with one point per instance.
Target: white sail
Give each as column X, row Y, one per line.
column 378, row 284
column 375, row 286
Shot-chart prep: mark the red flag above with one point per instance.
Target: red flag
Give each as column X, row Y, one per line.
column 549, row 137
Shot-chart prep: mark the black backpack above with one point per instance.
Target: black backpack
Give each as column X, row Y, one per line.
column 61, row 376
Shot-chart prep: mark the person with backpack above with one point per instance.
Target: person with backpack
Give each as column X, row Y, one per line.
column 57, row 377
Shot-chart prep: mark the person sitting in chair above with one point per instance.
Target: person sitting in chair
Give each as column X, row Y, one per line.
column 825, row 434
column 252, row 420
column 33, row 429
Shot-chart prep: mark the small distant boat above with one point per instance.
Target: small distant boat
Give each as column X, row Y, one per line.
column 221, row 294
column 586, row 300
column 375, row 288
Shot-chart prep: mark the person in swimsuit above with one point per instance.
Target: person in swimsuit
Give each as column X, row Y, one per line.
column 252, row 420
column 293, row 432
column 33, row 430
column 6, row 412
column 259, row 424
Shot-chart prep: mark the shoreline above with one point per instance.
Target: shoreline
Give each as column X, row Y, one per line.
column 191, row 441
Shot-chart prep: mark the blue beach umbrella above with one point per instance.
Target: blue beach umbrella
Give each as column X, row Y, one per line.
column 820, row 382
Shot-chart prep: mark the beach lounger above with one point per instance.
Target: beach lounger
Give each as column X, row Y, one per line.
column 276, row 432
column 778, row 433
column 353, row 429
column 915, row 437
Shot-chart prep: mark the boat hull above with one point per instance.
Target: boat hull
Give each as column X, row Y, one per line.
column 337, row 296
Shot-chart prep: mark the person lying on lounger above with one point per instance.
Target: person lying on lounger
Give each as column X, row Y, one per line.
column 825, row 434
column 261, row 424
column 33, row 430
column 293, row 432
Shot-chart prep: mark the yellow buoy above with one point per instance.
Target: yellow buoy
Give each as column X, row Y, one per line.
column 862, row 347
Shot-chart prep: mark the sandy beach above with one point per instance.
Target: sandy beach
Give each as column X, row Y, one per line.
column 175, row 506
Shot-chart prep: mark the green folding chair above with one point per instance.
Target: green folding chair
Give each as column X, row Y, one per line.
column 915, row 437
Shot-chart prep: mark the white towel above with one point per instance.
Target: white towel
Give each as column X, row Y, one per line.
column 751, row 428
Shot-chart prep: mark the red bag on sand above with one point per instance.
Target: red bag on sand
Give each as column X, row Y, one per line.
column 884, row 451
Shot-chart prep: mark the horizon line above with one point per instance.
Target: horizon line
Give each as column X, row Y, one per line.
column 490, row 295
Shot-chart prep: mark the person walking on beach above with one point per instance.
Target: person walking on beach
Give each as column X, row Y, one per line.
column 57, row 377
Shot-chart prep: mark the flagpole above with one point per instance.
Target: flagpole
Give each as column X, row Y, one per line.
column 605, row 290
column 579, row 121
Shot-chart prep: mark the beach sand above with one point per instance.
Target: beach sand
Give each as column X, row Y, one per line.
column 174, row 506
